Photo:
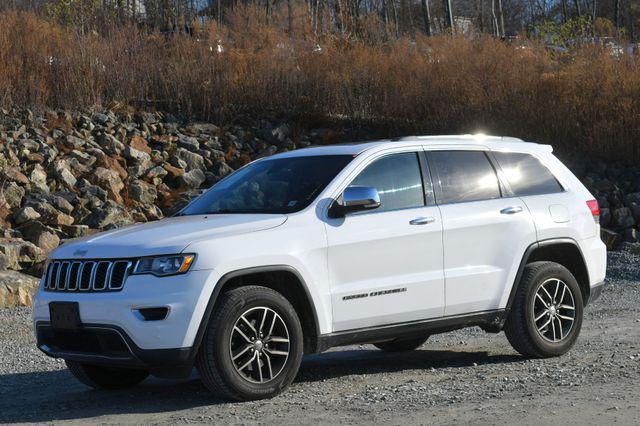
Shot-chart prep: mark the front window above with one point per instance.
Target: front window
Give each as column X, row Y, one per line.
column 279, row 185
column 397, row 178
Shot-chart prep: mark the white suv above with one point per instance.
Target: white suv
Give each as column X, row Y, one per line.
column 384, row 242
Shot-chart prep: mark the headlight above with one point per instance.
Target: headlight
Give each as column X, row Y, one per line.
column 162, row 266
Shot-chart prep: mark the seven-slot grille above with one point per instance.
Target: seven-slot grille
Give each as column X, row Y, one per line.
column 87, row 275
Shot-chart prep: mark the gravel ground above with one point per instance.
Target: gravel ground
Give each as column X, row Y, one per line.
column 462, row 377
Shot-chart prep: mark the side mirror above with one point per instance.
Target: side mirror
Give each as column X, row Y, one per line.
column 355, row 199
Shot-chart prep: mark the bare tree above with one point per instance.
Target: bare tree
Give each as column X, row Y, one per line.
column 426, row 17
column 501, row 19
column 565, row 15
column 448, row 15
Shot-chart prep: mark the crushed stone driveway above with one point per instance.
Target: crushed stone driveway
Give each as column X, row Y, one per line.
column 466, row 376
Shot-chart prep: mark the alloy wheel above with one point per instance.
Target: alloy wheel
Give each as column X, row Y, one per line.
column 259, row 345
column 554, row 310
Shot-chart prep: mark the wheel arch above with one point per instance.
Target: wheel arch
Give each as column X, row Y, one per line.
column 284, row 279
column 564, row 251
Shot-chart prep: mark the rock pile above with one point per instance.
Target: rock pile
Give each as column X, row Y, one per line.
column 616, row 186
column 65, row 175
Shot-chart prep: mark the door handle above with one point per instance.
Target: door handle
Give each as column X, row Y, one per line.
column 511, row 210
column 422, row 220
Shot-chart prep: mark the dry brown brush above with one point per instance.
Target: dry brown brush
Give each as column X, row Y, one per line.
column 587, row 100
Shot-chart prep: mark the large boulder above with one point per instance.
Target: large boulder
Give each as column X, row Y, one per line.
column 610, row 238
column 17, row 289
column 15, row 252
column 41, row 235
column 50, row 214
column 192, row 179
column 110, row 215
column 110, row 181
column 623, row 218
column 13, row 195
column 143, row 192
column 192, row 160
column 26, row 214
column 38, row 177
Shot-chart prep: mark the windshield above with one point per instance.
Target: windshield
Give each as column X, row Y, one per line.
column 282, row 185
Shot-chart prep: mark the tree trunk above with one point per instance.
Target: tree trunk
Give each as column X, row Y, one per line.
column 395, row 17
column 320, row 15
column 494, row 19
column 616, row 13
column 337, row 8
column 448, row 15
column 565, row 16
column 501, row 18
column 426, row 16
column 290, row 17
column 578, row 11
column 385, row 13
column 314, row 16
column 632, row 25
column 481, row 15
column 401, row 16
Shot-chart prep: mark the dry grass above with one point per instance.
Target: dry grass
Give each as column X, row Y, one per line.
column 588, row 100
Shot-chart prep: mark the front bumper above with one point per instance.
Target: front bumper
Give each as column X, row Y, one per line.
column 103, row 344
column 595, row 292
column 186, row 296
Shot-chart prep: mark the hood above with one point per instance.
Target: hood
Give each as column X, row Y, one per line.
column 167, row 236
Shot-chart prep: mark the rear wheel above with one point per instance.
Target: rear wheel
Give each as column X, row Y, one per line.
column 253, row 345
column 100, row 377
column 546, row 315
column 402, row 345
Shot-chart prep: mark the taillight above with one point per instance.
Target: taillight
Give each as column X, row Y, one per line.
column 595, row 209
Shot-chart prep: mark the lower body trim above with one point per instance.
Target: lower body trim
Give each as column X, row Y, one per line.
column 491, row 321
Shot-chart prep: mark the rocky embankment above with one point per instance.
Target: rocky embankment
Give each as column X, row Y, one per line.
column 616, row 186
column 65, row 175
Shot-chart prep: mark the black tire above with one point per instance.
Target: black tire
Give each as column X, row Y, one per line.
column 214, row 361
column 521, row 329
column 100, row 377
column 401, row 345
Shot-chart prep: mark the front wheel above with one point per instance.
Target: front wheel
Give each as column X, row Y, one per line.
column 546, row 315
column 253, row 345
column 100, row 377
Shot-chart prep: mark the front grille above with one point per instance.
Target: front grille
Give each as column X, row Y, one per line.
column 87, row 275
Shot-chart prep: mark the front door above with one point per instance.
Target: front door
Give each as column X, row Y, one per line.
column 385, row 265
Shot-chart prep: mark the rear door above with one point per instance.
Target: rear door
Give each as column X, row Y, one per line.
column 385, row 265
column 556, row 211
column 485, row 231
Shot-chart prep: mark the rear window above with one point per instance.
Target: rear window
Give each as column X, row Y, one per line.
column 463, row 176
column 526, row 175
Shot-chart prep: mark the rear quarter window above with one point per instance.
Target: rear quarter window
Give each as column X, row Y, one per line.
column 526, row 174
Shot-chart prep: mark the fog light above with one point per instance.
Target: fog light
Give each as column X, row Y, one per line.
column 152, row 314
